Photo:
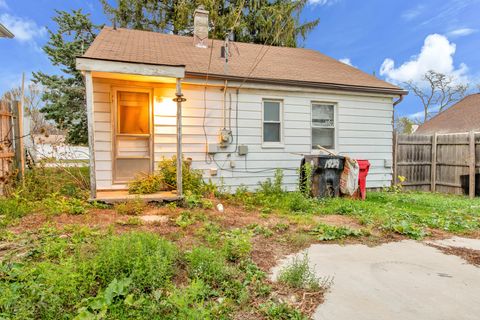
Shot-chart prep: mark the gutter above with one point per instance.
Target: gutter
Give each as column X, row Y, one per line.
column 320, row 85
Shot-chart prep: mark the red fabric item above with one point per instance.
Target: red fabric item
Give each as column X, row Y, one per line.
column 362, row 178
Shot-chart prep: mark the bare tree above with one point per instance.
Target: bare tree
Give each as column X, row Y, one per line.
column 440, row 92
column 33, row 104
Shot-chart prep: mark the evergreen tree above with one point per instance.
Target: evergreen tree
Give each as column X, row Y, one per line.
column 64, row 95
column 257, row 21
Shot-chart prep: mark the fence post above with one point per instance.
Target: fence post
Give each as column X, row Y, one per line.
column 395, row 156
column 472, row 163
column 433, row 167
column 18, row 138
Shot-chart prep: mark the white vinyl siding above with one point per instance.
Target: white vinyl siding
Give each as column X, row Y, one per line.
column 363, row 126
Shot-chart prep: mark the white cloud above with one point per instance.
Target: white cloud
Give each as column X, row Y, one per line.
column 346, row 61
column 24, row 29
column 3, row 4
column 412, row 13
column 320, row 2
column 436, row 54
column 461, row 32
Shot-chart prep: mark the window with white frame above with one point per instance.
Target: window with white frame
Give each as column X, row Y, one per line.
column 323, row 125
column 272, row 122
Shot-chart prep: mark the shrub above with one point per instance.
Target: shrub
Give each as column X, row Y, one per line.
column 146, row 184
column 327, row 232
column 165, row 178
column 132, row 207
column 191, row 178
column 298, row 274
column 237, row 245
column 144, row 258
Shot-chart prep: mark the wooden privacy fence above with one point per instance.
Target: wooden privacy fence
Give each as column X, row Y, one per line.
column 446, row 163
column 7, row 151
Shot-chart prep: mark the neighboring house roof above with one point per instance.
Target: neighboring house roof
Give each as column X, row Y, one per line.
column 4, row 32
column 463, row 116
column 279, row 64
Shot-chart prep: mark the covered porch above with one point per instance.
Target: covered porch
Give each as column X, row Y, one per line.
column 127, row 103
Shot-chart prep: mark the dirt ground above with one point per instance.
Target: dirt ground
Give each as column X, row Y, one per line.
column 287, row 235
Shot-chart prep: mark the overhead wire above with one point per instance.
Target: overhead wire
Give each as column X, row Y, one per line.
column 207, row 161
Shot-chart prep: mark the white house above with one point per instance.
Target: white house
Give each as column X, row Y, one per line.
column 249, row 108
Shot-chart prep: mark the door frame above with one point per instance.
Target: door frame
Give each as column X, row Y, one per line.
column 114, row 127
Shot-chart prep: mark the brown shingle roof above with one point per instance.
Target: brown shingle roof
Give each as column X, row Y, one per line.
column 280, row 64
column 463, row 116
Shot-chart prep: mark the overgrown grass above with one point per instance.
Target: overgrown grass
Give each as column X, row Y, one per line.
column 49, row 190
column 407, row 213
column 94, row 275
column 410, row 213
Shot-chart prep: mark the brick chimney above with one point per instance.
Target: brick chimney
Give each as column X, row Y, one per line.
column 200, row 27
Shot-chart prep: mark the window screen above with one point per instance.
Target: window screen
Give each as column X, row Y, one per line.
column 272, row 125
column 133, row 117
column 323, row 126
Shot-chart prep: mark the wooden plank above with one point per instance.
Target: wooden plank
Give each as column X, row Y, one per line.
column 448, row 184
column 18, row 136
column 471, row 175
column 433, row 170
column 89, row 65
column 91, row 128
column 415, row 163
column 4, row 155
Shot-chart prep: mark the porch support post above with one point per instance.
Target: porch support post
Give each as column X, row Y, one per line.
column 179, row 99
column 91, row 140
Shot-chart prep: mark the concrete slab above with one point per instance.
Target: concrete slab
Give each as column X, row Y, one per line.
column 458, row 242
column 403, row 280
column 154, row 219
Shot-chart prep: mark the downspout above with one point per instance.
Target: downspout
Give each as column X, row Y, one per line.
column 400, row 99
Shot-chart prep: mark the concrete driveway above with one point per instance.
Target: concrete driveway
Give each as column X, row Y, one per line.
column 401, row 280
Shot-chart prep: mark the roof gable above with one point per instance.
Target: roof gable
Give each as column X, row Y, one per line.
column 464, row 116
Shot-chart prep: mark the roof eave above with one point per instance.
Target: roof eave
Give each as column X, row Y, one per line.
column 4, row 32
column 318, row 85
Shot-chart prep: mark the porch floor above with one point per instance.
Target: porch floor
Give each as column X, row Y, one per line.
column 115, row 196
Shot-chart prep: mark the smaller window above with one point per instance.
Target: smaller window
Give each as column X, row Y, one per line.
column 323, row 126
column 272, row 122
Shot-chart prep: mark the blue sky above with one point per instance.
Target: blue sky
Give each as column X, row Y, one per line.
column 395, row 39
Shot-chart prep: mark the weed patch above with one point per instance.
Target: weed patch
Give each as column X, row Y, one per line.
column 325, row 232
column 298, row 274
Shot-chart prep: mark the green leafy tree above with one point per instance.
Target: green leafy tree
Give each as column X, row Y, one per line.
column 257, row 21
column 64, row 94
column 404, row 125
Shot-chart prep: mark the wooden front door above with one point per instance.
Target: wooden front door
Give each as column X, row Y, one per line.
column 133, row 135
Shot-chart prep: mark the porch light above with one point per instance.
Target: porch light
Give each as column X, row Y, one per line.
column 165, row 106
